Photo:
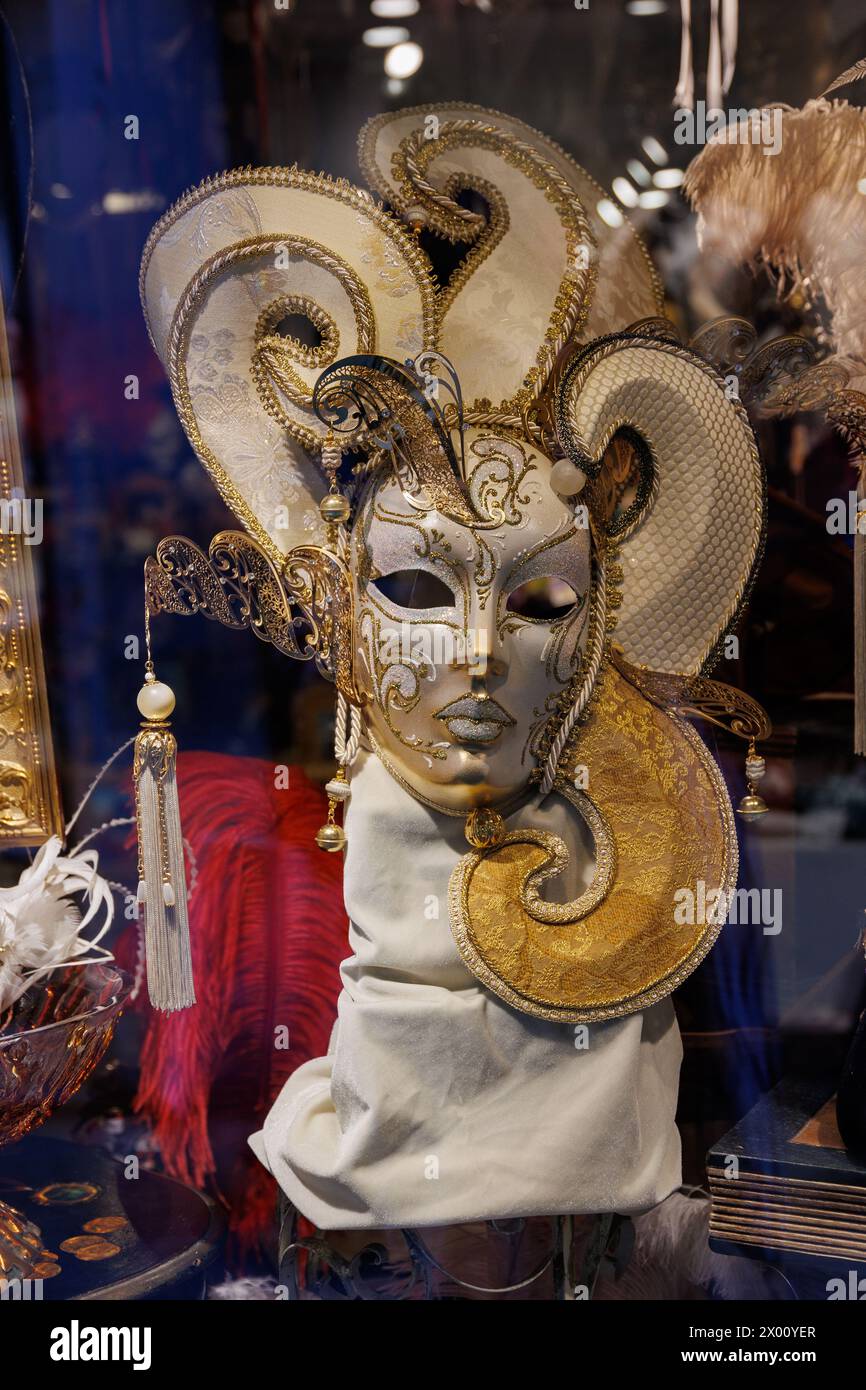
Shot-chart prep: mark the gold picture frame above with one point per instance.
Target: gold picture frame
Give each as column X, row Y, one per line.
column 30, row 810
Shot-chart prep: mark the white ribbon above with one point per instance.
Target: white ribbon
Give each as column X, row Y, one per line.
column 721, row 58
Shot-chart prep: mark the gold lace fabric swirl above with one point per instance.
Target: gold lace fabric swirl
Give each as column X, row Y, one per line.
column 662, row 822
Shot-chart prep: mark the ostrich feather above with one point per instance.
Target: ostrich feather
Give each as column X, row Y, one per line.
column 852, row 74
column 268, row 932
column 799, row 211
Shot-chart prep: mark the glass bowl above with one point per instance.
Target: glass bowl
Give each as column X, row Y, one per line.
column 50, row 1041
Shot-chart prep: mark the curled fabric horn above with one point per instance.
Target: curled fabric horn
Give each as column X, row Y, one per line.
column 619, row 947
column 699, row 457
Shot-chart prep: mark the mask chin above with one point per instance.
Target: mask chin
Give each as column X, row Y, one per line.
column 470, row 780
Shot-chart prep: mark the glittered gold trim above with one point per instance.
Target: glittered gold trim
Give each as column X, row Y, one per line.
column 302, row 604
column 340, row 190
column 377, row 180
column 572, row 300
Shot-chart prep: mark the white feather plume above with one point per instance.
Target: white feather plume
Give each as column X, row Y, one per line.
column 41, row 924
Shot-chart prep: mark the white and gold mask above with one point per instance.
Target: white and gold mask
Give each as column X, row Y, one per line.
column 467, row 633
column 520, row 576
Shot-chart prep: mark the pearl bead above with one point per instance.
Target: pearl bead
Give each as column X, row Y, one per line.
column 566, row 478
column 155, row 700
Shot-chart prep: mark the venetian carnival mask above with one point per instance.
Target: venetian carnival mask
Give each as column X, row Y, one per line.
column 509, row 515
column 468, row 629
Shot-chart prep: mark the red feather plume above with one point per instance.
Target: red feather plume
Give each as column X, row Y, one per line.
column 268, row 931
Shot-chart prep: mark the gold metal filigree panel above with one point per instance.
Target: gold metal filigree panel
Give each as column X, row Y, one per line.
column 29, row 800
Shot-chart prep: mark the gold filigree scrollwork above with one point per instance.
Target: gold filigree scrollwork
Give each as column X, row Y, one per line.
column 305, row 611
column 697, row 697
column 846, row 410
column 776, row 378
column 319, row 584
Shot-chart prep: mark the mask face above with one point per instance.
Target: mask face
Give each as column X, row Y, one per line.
column 466, row 635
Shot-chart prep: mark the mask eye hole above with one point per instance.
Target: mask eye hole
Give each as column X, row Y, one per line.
column 413, row 589
column 543, row 600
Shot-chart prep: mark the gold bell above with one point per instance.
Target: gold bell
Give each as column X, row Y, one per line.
column 753, row 805
column 331, row 837
column 334, row 508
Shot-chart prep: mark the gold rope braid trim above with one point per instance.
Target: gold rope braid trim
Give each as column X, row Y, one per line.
column 286, row 304
column 250, row 248
column 271, row 352
column 340, row 190
column 372, row 173
column 484, row 244
column 572, row 301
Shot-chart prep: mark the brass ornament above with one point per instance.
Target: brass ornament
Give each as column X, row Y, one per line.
column 331, row 837
column 662, row 822
column 484, row 827
column 752, row 805
column 304, row 609
column 334, row 509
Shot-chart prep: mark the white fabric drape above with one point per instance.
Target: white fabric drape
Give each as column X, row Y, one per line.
column 437, row 1103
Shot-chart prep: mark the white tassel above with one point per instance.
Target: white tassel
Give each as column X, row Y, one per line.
column 162, row 874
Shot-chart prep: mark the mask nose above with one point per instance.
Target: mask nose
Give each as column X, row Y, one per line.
column 482, row 666
column 483, row 657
